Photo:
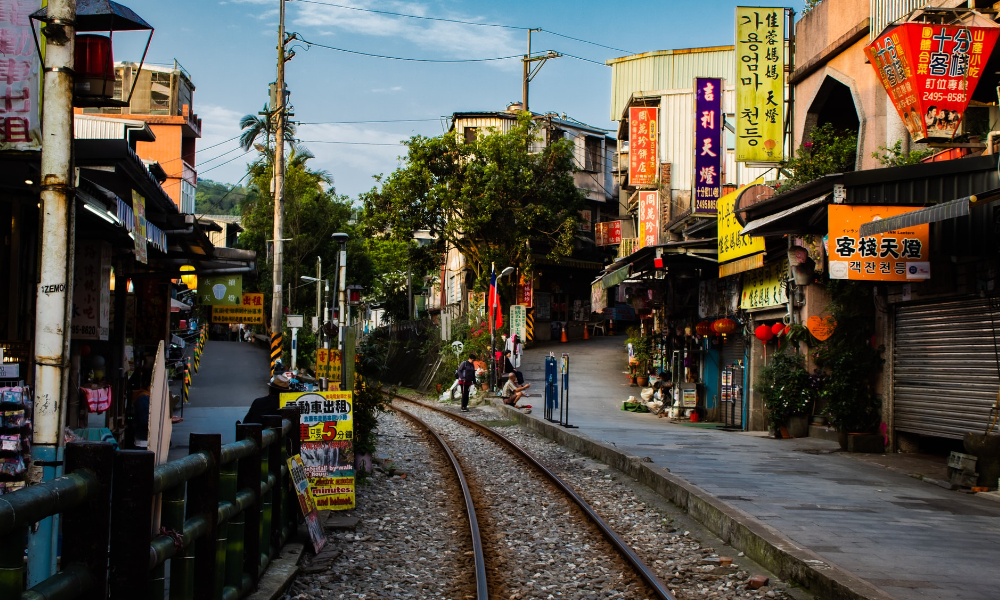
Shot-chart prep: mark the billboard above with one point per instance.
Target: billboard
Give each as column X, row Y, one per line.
column 760, row 84
column 608, row 233
column 327, row 434
column 250, row 311
column 649, row 219
column 901, row 255
column 642, row 147
column 222, row 290
column 708, row 145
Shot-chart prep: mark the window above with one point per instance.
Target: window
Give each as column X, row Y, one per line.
column 556, row 134
column 159, row 93
column 187, row 198
column 594, row 157
column 470, row 134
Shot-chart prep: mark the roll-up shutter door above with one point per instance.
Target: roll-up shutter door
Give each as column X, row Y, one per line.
column 731, row 355
column 944, row 368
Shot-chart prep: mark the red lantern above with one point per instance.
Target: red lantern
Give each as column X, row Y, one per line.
column 703, row 328
column 787, row 329
column 724, row 326
column 763, row 333
column 778, row 328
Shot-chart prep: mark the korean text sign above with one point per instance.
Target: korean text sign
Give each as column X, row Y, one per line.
column 649, row 219
column 732, row 244
column 642, row 154
column 902, row 255
column 760, row 84
column 20, row 125
column 930, row 72
column 765, row 286
column 327, row 434
column 708, row 148
column 250, row 311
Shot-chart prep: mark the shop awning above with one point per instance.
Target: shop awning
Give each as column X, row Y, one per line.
column 798, row 219
column 178, row 306
column 960, row 207
column 615, row 277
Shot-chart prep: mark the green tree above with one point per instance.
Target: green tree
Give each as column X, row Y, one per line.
column 392, row 261
column 497, row 199
column 828, row 151
column 215, row 198
column 256, row 126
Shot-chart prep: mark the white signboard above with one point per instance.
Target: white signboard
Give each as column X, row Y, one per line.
column 294, row 321
column 519, row 321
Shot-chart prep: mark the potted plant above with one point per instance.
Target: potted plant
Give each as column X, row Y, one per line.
column 642, row 355
column 788, row 392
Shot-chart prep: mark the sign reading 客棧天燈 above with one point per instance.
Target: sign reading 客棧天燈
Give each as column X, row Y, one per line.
column 733, row 244
column 224, row 290
column 930, row 72
column 642, row 146
column 760, row 84
column 327, row 434
column 708, row 148
column 649, row 219
column 901, row 255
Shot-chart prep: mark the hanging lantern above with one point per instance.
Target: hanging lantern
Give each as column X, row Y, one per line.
column 189, row 280
column 724, row 326
column 778, row 328
column 763, row 333
column 703, row 328
column 787, row 329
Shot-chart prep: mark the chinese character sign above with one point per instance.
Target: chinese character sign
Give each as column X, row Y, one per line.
column 322, row 363
column 642, row 156
column 20, row 89
column 327, row 434
column 649, row 219
column 732, row 244
column 524, row 290
column 708, row 148
column 139, row 229
column 608, row 233
column 519, row 322
column 901, row 255
column 221, row 291
column 765, row 287
column 91, row 291
column 930, row 72
column 760, row 84
column 250, row 311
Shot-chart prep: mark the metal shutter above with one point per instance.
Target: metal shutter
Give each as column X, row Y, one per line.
column 944, row 370
column 733, row 349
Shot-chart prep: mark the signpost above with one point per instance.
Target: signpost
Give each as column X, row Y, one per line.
column 294, row 323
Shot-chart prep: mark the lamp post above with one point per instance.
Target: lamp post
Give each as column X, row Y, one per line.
column 341, row 238
column 495, row 302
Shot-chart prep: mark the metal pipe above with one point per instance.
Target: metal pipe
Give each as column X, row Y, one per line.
column 55, row 288
column 37, row 502
column 342, row 297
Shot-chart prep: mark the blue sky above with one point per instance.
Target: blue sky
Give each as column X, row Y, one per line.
column 229, row 47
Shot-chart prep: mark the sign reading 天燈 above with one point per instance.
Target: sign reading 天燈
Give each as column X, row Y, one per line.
column 649, row 219
column 642, row 155
column 901, row 255
column 327, row 434
column 708, row 148
column 760, row 84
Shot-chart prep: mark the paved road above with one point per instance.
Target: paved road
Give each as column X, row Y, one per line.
column 910, row 538
column 232, row 374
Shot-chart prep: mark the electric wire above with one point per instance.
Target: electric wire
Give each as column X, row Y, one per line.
column 408, row 59
column 349, row 143
column 223, row 163
column 362, row 122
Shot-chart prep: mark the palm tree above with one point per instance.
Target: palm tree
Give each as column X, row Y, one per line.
column 256, row 126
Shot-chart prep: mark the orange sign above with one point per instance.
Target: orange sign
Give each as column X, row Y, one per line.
column 901, row 255
column 642, row 155
column 649, row 219
column 821, row 327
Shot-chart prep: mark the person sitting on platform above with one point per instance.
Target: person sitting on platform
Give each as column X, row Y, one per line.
column 511, row 392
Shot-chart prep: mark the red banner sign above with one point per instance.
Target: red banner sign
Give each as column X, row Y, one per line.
column 642, row 158
column 524, row 290
column 608, row 233
column 930, row 72
column 649, row 219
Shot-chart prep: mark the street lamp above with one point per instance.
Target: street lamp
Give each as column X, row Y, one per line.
column 320, row 317
column 341, row 238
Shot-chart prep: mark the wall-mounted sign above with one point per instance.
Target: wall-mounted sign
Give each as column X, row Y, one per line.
column 649, row 219
column 20, row 125
column 900, row 255
column 250, row 311
column 760, row 84
column 586, row 217
column 519, row 322
column 765, row 287
column 930, row 72
column 92, row 291
column 139, row 230
column 642, row 146
column 708, row 148
column 220, row 291
column 732, row 244
column 524, row 290
column 608, row 233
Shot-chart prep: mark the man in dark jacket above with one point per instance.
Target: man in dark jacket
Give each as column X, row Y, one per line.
column 467, row 379
column 269, row 404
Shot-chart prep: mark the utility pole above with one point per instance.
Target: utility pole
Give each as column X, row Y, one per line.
column 53, row 306
column 319, row 291
column 279, row 190
column 530, row 73
column 341, row 238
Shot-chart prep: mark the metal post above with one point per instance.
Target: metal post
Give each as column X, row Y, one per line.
column 131, row 522
column 55, row 279
column 319, row 282
column 279, row 189
column 326, row 314
column 87, row 526
column 295, row 349
column 342, row 298
column 248, row 478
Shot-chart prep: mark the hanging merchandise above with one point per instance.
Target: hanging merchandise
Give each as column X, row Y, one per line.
column 15, row 437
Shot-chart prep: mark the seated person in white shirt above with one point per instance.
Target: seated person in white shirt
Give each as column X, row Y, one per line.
column 511, row 392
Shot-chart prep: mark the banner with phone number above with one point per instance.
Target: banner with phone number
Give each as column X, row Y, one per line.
column 327, row 448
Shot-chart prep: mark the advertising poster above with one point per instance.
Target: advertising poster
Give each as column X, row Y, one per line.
column 901, row 255
column 250, row 311
column 642, row 153
column 226, row 290
column 327, row 449
column 765, row 287
column 608, row 233
column 733, row 244
column 930, row 72
column 649, row 219
column 708, row 146
column 300, row 482
column 760, row 84
column 20, row 124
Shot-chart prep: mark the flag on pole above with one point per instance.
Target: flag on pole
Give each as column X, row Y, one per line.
column 493, row 301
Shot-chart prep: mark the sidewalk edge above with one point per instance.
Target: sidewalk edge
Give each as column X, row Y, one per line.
column 763, row 544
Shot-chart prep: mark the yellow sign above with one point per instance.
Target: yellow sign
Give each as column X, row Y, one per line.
column 322, row 362
column 731, row 243
column 335, row 370
column 901, row 255
column 760, row 84
column 249, row 312
column 327, row 449
column 765, row 287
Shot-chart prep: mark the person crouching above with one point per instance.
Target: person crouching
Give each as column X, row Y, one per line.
column 512, row 392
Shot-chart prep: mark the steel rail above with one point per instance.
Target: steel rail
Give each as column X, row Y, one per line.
column 482, row 591
column 619, row 544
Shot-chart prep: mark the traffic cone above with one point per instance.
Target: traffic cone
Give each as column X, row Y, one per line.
column 586, row 335
column 563, row 338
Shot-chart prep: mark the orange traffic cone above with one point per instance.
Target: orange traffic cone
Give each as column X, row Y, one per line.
column 586, row 335
column 563, row 339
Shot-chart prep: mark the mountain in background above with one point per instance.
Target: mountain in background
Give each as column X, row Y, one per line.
column 215, row 198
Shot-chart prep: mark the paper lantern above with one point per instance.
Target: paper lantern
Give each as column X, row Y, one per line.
column 189, row 280
column 763, row 333
column 724, row 326
column 778, row 328
column 703, row 328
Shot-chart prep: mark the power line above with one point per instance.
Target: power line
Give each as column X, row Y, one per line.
column 423, row 60
column 568, row 37
column 223, row 163
column 596, row 62
column 348, row 143
column 359, row 122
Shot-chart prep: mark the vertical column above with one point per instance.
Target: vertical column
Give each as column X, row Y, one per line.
column 86, row 527
column 203, row 499
column 131, row 523
column 248, row 478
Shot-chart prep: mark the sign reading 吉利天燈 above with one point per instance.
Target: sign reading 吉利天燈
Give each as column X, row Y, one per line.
column 327, row 447
column 930, row 72
column 901, row 255
column 649, row 219
column 765, row 287
column 20, row 125
column 642, row 145
column 708, row 148
column 220, row 291
column 733, row 244
column 250, row 311
column 760, row 84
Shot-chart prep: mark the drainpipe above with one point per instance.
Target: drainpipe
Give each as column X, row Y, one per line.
column 55, row 290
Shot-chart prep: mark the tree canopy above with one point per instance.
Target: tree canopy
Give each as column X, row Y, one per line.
column 214, row 198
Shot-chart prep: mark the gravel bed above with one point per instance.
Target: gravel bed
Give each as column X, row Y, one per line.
column 537, row 544
column 412, row 539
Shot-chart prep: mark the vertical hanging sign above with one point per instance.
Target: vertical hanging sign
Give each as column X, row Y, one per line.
column 642, row 154
column 20, row 68
column 649, row 219
column 760, row 84
column 708, row 148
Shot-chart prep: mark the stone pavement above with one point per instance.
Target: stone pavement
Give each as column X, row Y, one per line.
column 232, row 375
column 907, row 537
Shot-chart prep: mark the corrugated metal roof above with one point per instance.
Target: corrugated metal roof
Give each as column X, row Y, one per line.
column 92, row 127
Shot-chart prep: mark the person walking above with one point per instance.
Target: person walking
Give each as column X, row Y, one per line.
column 467, row 379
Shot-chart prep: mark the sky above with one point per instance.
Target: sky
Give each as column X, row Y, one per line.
column 230, row 49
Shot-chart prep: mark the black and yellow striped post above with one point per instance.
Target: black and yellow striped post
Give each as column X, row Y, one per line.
column 185, row 389
column 275, row 350
column 529, row 328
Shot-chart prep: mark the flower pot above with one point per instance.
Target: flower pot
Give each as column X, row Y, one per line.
column 986, row 448
column 642, row 381
column 798, row 426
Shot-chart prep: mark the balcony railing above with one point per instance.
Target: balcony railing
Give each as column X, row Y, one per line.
column 627, row 247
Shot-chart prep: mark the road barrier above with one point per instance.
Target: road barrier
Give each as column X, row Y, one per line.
column 225, row 512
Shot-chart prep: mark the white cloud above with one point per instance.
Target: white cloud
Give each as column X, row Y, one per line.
column 347, row 161
column 218, row 125
column 395, row 88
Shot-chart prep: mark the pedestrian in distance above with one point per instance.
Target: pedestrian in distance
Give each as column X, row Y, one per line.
column 467, row 378
column 269, row 404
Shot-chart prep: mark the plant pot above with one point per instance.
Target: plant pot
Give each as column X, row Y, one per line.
column 986, row 449
column 798, row 426
column 642, row 381
column 867, row 443
column 633, row 384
